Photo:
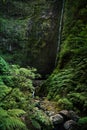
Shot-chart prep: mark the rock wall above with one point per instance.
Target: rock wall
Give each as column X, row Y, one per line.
column 29, row 32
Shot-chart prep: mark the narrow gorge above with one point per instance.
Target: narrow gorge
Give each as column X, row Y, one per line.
column 43, row 65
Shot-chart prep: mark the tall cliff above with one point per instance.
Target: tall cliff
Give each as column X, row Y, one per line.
column 29, row 32
column 68, row 83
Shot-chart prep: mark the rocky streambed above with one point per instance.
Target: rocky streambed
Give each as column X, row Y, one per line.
column 65, row 120
column 61, row 119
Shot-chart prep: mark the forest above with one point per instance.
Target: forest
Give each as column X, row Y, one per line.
column 43, row 65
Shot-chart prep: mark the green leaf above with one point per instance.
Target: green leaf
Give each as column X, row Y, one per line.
column 35, row 124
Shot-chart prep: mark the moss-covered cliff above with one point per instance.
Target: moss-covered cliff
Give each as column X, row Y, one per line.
column 29, row 32
column 29, row 37
column 68, row 83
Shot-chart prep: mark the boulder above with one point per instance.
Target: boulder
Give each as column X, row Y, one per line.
column 72, row 115
column 64, row 113
column 56, row 119
column 70, row 125
column 50, row 113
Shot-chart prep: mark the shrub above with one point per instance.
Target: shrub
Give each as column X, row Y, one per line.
column 65, row 103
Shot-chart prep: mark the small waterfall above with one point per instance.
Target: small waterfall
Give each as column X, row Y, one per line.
column 33, row 94
column 10, row 47
column 59, row 32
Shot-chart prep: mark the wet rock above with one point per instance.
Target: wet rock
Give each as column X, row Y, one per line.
column 56, row 119
column 65, row 114
column 50, row 113
column 72, row 115
column 70, row 125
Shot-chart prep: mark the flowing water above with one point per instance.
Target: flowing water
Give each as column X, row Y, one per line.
column 10, row 47
column 59, row 32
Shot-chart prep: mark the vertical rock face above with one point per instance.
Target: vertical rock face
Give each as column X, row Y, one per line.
column 31, row 28
column 42, row 36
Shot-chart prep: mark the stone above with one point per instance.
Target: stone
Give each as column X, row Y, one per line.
column 56, row 119
column 50, row 113
column 72, row 115
column 64, row 113
column 70, row 125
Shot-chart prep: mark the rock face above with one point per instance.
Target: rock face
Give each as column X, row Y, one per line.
column 30, row 32
column 43, row 36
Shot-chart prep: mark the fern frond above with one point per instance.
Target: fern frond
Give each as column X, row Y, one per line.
column 16, row 112
column 10, row 121
column 3, row 113
column 14, row 122
column 35, row 124
column 4, row 90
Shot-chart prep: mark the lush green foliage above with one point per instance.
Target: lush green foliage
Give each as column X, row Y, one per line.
column 68, row 83
column 17, row 106
column 83, row 120
column 9, row 119
column 10, row 116
column 24, row 32
column 83, row 123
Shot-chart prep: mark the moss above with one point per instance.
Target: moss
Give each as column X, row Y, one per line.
column 82, row 120
column 69, row 77
column 83, row 123
column 64, row 103
column 27, row 30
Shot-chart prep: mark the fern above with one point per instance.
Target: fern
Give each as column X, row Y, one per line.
column 16, row 112
column 4, row 90
column 9, row 120
column 83, row 120
column 10, row 123
column 4, row 67
column 35, row 124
